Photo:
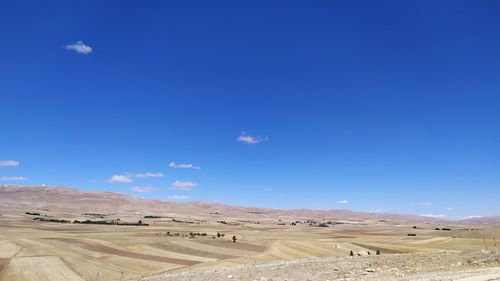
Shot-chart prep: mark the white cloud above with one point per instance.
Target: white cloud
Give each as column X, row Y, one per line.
column 343, row 202
column 268, row 189
column 80, row 48
column 178, row 197
column 433, row 215
column 376, row 211
column 449, row 209
column 9, row 163
column 15, row 178
column 142, row 188
column 183, row 166
column 471, row 217
column 183, row 185
column 248, row 139
column 127, row 177
column 120, row 179
column 421, row 203
column 149, row 175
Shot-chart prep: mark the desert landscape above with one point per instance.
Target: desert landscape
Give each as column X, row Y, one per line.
column 249, row 140
column 56, row 233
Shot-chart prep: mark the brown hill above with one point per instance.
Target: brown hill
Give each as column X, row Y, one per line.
column 493, row 220
column 22, row 198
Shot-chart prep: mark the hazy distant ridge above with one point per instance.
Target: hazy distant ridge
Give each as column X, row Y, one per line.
column 75, row 201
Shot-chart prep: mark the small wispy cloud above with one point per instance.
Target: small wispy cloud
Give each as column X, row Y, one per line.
column 120, row 179
column 248, row 139
column 449, row 209
column 178, row 197
column 80, row 48
column 9, row 163
column 376, row 211
column 433, row 215
column 471, row 217
column 421, row 203
column 15, row 178
column 183, row 185
column 183, row 166
column 268, row 189
column 142, row 189
column 149, row 175
column 127, row 177
column 343, row 202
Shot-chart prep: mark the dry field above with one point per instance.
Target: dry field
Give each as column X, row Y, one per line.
column 40, row 250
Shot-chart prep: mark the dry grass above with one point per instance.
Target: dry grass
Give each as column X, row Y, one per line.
column 79, row 251
column 32, row 250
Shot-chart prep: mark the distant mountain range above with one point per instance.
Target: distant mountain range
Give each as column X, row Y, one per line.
column 69, row 201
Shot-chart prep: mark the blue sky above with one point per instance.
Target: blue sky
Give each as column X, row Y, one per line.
column 365, row 105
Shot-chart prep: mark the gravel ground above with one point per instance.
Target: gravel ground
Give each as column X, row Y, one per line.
column 416, row 266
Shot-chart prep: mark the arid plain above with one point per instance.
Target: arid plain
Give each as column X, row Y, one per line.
column 194, row 241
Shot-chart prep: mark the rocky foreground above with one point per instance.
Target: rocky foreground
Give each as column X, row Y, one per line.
column 416, row 266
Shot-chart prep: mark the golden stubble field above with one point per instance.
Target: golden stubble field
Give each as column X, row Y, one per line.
column 34, row 250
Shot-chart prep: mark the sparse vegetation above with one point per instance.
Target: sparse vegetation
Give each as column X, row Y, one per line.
column 52, row 220
column 92, row 222
column 95, row 215
column 168, row 233
column 116, row 222
column 179, row 221
column 207, row 241
column 201, row 234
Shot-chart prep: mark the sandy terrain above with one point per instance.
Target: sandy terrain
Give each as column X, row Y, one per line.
column 181, row 242
column 422, row 266
column 8, row 249
column 96, row 247
column 47, row 268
